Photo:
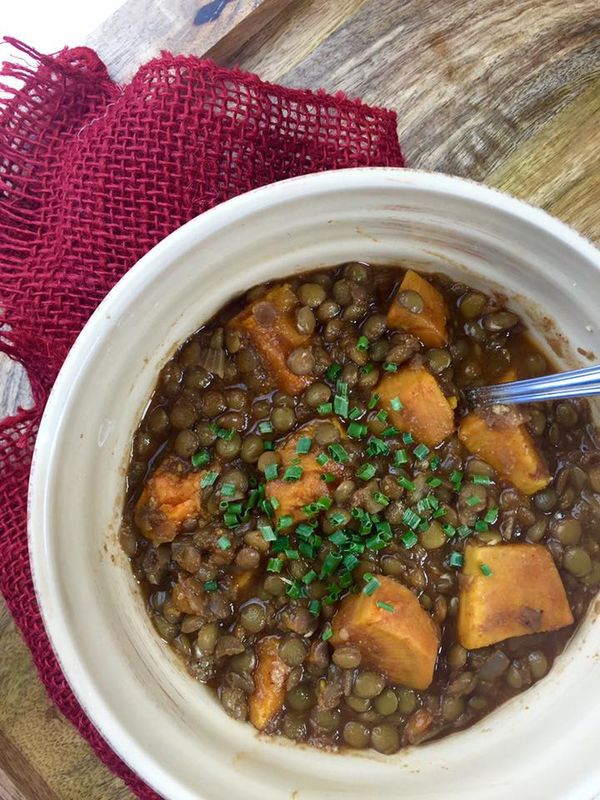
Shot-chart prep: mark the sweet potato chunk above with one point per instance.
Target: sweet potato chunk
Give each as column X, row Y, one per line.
column 293, row 495
column 270, row 676
column 169, row 497
column 430, row 324
column 522, row 594
column 268, row 323
column 504, row 442
column 425, row 412
column 402, row 643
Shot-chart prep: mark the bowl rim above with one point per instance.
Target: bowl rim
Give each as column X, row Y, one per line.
column 149, row 267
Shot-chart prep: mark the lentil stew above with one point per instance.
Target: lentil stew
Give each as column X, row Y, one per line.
column 331, row 539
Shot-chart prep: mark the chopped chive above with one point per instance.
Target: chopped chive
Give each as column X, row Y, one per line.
column 295, row 590
column 228, row 489
column 293, row 473
column 492, row 515
column 357, row 430
column 340, row 405
column 333, row 370
column 384, row 606
column 408, row 539
column 482, row 480
column 406, row 484
column 328, row 477
column 285, row 522
column 381, row 498
column 367, row 368
column 481, row 526
column 463, row 531
column 390, row 367
column 330, row 564
column 366, row 472
column 434, row 463
column 314, row 607
column 305, row 530
column 362, row 344
column 341, row 388
column 265, row 427
column 271, row 472
column 377, row 447
column 224, row 543
column 401, row 457
column 231, row 520
column 434, row 482
column 208, row 479
column 354, row 413
column 274, row 502
column 449, row 529
column 345, row 579
column 456, row 479
column 485, row 570
column 473, row 500
column 407, row 438
column 456, row 559
column 439, row 512
column 304, row 445
column 201, row 458
column 338, row 538
column 337, row 518
column 327, row 633
column 420, row 451
column 309, row 577
column 211, row 586
column 293, row 555
column 338, row 453
column 411, row 519
column 274, row 565
column 372, row 584
column 281, row 544
column 268, row 445
column 268, row 533
column 373, row 401
column 396, row 404
column 325, row 408
column 391, row 431
column 323, row 503
column 307, row 550
column 382, row 415
column 350, row 561
column 322, row 459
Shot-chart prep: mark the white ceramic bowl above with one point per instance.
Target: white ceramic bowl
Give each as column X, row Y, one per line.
column 168, row 728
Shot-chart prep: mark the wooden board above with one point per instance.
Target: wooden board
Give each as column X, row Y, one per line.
column 140, row 30
column 507, row 92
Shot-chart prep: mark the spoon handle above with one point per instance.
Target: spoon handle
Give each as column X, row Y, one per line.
column 575, row 383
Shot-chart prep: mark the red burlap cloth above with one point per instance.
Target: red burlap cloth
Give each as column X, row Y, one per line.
column 92, row 175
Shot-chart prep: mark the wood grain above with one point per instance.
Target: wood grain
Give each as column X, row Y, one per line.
column 504, row 92
column 140, row 30
column 471, row 88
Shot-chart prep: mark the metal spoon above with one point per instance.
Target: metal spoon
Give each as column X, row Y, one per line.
column 575, row 383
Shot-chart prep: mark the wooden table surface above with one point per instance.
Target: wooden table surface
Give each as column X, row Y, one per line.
column 503, row 91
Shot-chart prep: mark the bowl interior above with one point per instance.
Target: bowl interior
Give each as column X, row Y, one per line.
column 165, row 725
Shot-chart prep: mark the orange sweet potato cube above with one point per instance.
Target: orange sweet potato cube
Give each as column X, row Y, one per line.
column 292, row 495
column 522, row 594
column 169, row 497
column 425, row 412
column 270, row 676
column 508, row 447
column 401, row 643
column 430, row 324
column 269, row 325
